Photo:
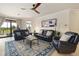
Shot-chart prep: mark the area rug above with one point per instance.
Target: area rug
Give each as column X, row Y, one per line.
column 20, row 48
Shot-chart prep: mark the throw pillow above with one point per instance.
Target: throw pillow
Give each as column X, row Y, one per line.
column 48, row 33
column 65, row 37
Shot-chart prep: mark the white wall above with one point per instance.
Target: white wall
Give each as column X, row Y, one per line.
column 1, row 20
column 18, row 21
column 67, row 20
column 62, row 20
column 74, row 21
column 23, row 23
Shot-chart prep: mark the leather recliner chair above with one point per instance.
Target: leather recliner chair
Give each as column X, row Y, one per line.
column 20, row 34
column 66, row 47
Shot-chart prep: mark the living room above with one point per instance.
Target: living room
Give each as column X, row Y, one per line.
column 54, row 22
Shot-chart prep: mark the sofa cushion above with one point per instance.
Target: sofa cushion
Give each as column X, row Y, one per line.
column 65, row 37
column 48, row 33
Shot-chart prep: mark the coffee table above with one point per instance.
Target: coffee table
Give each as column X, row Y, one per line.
column 31, row 38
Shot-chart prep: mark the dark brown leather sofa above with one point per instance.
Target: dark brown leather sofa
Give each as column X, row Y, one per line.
column 67, row 47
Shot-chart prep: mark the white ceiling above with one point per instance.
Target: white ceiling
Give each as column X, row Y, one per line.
column 14, row 9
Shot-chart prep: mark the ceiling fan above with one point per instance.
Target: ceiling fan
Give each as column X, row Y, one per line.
column 35, row 6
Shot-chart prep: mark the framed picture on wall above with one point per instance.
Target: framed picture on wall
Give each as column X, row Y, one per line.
column 44, row 23
column 49, row 23
column 52, row 22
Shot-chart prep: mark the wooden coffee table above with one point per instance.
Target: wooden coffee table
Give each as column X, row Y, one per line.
column 31, row 38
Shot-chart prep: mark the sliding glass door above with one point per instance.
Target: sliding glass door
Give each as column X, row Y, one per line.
column 7, row 27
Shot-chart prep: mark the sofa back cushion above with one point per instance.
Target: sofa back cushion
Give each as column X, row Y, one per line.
column 74, row 38
column 24, row 33
column 18, row 33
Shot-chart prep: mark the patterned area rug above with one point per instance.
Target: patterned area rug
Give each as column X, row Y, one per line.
column 20, row 48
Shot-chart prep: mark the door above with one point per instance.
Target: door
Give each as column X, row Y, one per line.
column 7, row 27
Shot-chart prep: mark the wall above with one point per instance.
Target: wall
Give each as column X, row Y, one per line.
column 67, row 20
column 1, row 20
column 18, row 21
column 62, row 21
column 23, row 24
column 74, row 21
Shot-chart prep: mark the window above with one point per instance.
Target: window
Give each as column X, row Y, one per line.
column 28, row 25
column 5, row 28
column 7, row 24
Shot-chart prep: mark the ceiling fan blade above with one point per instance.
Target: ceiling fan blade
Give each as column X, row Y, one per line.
column 36, row 11
column 36, row 5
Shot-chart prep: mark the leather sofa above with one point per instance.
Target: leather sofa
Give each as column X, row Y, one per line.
column 66, row 47
column 44, row 36
column 20, row 34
